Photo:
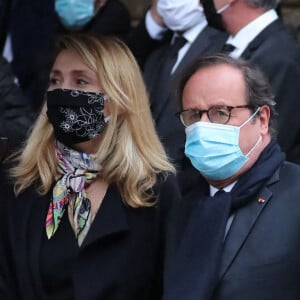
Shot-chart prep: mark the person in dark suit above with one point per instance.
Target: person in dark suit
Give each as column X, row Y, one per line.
column 31, row 24
column 187, row 23
column 16, row 116
column 236, row 234
column 85, row 213
column 257, row 34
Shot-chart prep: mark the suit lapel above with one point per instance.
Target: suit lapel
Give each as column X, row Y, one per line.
column 158, row 95
column 243, row 222
column 110, row 219
column 267, row 33
column 207, row 42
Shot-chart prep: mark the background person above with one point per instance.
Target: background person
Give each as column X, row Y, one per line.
column 190, row 38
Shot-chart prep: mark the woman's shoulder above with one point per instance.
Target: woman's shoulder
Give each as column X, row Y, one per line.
column 167, row 188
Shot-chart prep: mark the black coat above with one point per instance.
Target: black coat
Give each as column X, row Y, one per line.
column 16, row 116
column 121, row 257
column 261, row 250
column 277, row 54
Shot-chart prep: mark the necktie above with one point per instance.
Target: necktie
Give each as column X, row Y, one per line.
column 172, row 54
column 228, row 48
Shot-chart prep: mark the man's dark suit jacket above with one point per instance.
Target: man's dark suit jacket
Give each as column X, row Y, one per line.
column 261, row 251
column 277, row 54
column 163, row 107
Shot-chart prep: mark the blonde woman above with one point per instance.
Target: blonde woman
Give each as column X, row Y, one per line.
column 92, row 187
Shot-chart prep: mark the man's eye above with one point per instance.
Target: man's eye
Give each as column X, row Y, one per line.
column 222, row 112
column 195, row 115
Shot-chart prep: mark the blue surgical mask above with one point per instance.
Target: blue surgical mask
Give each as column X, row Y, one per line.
column 214, row 149
column 74, row 14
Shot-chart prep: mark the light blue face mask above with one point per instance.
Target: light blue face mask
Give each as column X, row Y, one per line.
column 74, row 14
column 214, row 148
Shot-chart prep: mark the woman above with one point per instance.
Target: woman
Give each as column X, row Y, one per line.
column 93, row 185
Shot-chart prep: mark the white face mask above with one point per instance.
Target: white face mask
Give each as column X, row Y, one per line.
column 180, row 15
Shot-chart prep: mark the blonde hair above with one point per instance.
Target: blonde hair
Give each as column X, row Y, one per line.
column 131, row 153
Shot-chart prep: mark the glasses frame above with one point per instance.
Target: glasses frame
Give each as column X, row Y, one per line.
column 201, row 112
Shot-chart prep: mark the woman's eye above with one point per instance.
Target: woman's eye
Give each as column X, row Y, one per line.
column 53, row 81
column 81, row 81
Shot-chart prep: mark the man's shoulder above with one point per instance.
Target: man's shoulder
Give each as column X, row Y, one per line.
column 286, row 179
column 275, row 41
column 290, row 169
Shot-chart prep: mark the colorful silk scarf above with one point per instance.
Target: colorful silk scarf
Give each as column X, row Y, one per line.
column 78, row 171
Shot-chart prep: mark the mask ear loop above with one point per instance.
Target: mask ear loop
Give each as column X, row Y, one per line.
column 251, row 117
column 252, row 149
column 259, row 139
column 219, row 11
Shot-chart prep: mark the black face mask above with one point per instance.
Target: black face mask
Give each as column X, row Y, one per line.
column 76, row 116
column 213, row 18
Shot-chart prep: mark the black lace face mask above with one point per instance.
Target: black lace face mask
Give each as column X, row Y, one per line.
column 76, row 116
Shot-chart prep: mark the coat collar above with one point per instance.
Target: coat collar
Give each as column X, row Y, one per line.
column 267, row 33
column 110, row 219
column 244, row 220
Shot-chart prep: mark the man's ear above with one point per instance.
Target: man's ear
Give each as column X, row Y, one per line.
column 264, row 118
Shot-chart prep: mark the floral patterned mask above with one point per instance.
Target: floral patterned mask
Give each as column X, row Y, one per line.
column 76, row 116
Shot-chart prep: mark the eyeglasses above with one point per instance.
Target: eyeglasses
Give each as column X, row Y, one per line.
column 216, row 114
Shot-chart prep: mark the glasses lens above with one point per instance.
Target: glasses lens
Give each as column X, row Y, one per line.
column 189, row 117
column 219, row 114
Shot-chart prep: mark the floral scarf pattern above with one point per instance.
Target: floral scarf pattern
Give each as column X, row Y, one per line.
column 78, row 170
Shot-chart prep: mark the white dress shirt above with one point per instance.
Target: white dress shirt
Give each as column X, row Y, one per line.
column 247, row 34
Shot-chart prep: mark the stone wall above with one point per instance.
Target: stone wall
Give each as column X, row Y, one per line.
column 137, row 8
column 290, row 13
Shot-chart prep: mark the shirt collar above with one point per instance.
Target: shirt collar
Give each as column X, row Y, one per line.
column 242, row 39
column 191, row 34
column 228, row 188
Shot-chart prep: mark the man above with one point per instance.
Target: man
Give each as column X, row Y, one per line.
column 187, row 24
column 257, row 34
column 241, row 242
